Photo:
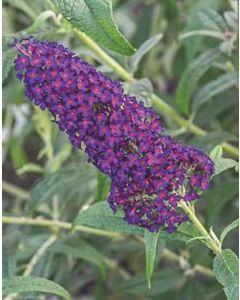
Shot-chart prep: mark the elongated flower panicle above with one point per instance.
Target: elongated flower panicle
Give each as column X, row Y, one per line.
column 150, row 172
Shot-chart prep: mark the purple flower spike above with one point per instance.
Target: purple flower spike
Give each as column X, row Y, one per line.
column 122, row 138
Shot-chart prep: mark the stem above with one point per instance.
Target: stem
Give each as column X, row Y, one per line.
column 64, row 225
column 214, row 34
column 196, row 269
column 115, row 66
column 211, row 243
column 170, row 255
column 15, row 190
column 59, row 224
column 161, row 106
column 39, row 254
column 173, row 257
column 202, row 270
column 35, row 259
column 115, row 267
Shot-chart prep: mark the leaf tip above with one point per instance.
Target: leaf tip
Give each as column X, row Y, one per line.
column 149, row 283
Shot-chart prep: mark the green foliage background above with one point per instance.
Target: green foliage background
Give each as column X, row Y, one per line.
column 44, row 177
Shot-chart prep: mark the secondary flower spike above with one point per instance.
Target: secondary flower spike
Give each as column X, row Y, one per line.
column 150, row 172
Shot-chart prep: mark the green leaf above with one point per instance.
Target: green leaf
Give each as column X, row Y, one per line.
column 162, row 281
column 222, row 164
column 211, row 19
column 232, row 292
column 216, row 153
column 17, row 153
column 142, row 89
column 20, row 284
column 193, row 290
column 228, row 45
column 212, row 110
column 143, row 50
column 227, row 229
column 7, row 24
column 9, row 262
column 194, row 43
column 225, row 268
column 103, row 186
column 95, row 18
column 222, row 83
column 212, row 139
column 79, row 248
column 189, row 229
column 151, row 240
column 43, row 127
column 218, row 196
column 61, row 181
column 7, row 62
column 234, row 5
column 180, row 236
column 61, row 157
column 232, row 20
column 26, row 6
column 99, row 215
column 30, row 168
column 40, row 20
column 190, row 77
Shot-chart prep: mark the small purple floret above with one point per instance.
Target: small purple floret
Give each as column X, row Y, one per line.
column 122, row 138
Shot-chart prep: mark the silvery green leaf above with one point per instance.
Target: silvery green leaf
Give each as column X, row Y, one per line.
column 95, row 18
column 40, row 20
column 194, row 23
column 234, row 5
column 165, row 280
column 9, row 265
column 103, row 186
column 216, row 153
column 228, row 45
column 78, row 248
column 191, row 76
column 7, row 62
column 142, row 89
column 217, row 86
column 232, row 20
column 222, row 164
column 65, row 179
column 212, row 139
column 225, row 268
column 220, row 195
column 27, row 7
column 100, row 215
column 21, row 284
column 151, row 240
column 145, row 47
column 229, row 228
column 211, row 19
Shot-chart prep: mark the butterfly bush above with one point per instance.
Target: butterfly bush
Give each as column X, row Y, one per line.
column 150, row 172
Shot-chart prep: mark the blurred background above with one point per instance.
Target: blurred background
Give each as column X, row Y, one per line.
column 41, row 168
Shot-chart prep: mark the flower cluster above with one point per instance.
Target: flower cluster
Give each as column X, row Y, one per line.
column 150, row 172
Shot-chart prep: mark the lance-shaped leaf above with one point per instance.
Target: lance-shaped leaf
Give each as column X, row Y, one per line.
column 95, row 18
column 151, row 240
column 190, row 77
column 20, row 284
column 213, row 88
column 100, row 216
column 225, row 268
column 229, row 228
